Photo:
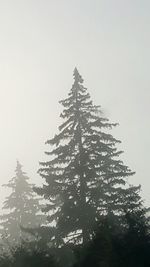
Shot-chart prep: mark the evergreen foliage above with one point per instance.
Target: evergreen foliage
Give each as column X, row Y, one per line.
column 21, row 208
column 94, row 217
column 114, row 248
column 84, row 178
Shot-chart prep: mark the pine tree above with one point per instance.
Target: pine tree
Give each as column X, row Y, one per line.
column 21, row 208
column 84, row 177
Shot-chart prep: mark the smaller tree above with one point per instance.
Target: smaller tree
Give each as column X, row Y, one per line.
column 22, row 208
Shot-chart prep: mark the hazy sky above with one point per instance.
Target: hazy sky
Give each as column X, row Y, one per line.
column 41, row 41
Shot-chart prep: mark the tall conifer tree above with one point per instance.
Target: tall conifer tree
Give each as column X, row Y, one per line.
column 84, row 177
column 21, row 208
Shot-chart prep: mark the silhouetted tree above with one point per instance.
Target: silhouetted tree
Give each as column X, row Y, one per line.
column 21, row 208
column 113, row 247
column 84, row 179
column 136, row 240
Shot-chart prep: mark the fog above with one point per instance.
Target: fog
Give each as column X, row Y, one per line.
column 40, row 44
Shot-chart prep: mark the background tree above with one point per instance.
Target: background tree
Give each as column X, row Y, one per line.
column 21, row 208
column 84, row 178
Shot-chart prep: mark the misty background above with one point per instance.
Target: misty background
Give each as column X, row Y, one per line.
column 41, row 41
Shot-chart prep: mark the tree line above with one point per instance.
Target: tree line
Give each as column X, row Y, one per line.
column 86, row 213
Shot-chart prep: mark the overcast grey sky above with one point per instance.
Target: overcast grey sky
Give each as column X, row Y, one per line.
column 41, row 41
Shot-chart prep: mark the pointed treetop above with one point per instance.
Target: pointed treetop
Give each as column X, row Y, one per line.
column 19, row 171
column 77, row 76
column 19, row 166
